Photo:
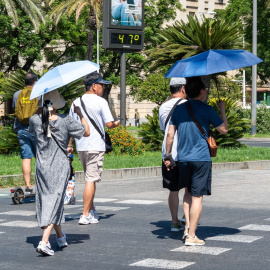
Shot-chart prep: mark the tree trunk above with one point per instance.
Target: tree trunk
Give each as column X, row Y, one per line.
column 92, row 27
column 13, row 63
column 29, row 62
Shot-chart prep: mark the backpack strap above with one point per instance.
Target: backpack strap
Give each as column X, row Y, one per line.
column 170, row 114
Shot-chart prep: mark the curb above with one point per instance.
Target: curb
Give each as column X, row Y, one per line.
column 146, row 172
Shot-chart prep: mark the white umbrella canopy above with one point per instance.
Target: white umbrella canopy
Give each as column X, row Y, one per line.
column 62, row 75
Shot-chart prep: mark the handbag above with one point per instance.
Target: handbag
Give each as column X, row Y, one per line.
column 210, row 140
column 106, row 138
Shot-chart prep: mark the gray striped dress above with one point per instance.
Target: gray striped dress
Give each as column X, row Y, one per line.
column 52, row 166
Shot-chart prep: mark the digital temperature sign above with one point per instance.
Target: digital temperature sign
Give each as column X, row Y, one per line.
column 124, row 39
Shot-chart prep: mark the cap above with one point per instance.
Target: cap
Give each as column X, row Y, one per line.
column 56, row 99
column 95, row 77
column 177, row 80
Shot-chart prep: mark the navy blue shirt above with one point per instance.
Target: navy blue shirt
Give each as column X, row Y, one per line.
column 191, row 145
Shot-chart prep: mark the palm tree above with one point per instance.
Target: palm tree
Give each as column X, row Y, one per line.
column 69, row 6
column 31, row 9
column 183, row 40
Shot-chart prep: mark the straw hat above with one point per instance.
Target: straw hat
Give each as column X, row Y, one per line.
column 56, row 99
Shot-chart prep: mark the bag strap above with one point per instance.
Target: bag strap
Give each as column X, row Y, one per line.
column 170, row 114
column 195, row 120
column 91, row 120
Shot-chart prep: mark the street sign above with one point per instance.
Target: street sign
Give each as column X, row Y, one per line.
column 124, row 39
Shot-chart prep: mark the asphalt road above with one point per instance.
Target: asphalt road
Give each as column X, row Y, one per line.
column 134, row 229
column 256, row 142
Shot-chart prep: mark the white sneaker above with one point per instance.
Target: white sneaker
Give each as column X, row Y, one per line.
column 62, row 242
column 84, row 220
column 94, row 213
column 45, row 249
column 92, row 218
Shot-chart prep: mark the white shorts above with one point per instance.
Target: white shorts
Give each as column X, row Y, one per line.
column 92, row 162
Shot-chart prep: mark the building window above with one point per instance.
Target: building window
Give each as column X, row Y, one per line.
column 191, row 13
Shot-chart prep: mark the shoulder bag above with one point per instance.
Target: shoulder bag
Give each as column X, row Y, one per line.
column 107, row 138
column 210, row 139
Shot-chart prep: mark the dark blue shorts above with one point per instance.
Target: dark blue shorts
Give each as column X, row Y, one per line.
column 196, row 176
column 27, row 144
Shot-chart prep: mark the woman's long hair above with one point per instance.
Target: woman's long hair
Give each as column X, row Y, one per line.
column 45, row 117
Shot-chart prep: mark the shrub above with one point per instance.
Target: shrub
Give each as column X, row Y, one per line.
column 237, row 125
column 124, row 143
column 9, row 142
column 150, row 132
column 262, row 119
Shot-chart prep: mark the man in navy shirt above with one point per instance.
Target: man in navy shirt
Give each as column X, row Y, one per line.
column 194, row 161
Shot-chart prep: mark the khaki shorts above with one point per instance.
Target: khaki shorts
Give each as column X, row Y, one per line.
column 92, row 162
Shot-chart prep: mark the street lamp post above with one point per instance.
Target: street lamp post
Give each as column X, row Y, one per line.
column 254, row 71
column 204, row 12
column 244, row 88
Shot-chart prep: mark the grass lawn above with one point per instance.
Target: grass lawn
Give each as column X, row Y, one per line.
column 11, row 164
column 260, row 135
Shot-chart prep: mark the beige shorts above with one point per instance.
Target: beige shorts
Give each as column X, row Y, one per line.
column 92, row 162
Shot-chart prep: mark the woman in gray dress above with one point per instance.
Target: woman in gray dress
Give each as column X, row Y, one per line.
column 52, row 132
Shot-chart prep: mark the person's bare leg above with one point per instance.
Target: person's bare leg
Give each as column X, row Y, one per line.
column 186, row 206
column 195, row 213
column 173, row 202
column 46, row 233
column 88, row 196
column 58, row 231
column 26, row 169
column 92, row 207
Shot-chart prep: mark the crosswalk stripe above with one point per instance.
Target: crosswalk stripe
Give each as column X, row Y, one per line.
column 110, row 208
column 202, row 250
column 268, row 219
column 20, row 223
column 235, row 238
column 162, row 264
column 19, row 213
column 103, row 200
column 255, row 227
column 146, row 202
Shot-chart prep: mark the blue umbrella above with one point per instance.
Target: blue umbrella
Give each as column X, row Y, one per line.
column 211, row 62
column 62, row 75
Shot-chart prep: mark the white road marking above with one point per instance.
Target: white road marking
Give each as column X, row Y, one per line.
column 110, row 208
column 19, row 213
column 4, row 195
column 103, row 200
column 255, row 227
column 100, row 200
column 70, row 206
column 2, row 232
column 235, row 238
column 146, row 202
column 202, row 250
column 162, row 264
column 20, row 223
column 268, row 219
